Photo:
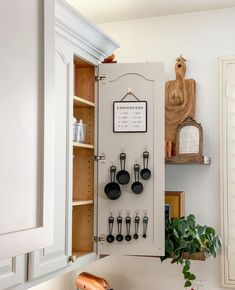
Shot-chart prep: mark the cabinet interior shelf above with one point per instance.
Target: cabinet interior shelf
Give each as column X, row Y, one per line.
column 83, row 145
column 203, row 160
column 80, row 102
column 80, row 253
column 82, row 202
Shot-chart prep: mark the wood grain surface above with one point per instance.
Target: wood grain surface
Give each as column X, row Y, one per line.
column 180, row 97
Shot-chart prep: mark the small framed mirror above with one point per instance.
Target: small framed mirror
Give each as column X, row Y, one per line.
column 189, row 138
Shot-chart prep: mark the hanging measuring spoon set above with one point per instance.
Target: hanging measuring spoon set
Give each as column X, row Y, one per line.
column 126, row 234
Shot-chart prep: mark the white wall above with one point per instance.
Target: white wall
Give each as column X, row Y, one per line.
column 201, row 37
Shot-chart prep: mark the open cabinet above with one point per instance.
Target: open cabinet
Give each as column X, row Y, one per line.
column 130, row 86
column 86, row 90
column 83, row 158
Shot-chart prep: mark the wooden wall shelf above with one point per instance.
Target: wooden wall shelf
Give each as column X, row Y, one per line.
column 203, row 160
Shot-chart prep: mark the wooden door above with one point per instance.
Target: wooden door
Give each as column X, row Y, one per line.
column 26, row 125
column 146, row 82
column 56, row 257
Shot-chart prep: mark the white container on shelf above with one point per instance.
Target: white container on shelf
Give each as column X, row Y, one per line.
column 74, row 129
column 81, row 131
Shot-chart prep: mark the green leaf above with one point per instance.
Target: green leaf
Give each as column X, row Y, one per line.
column 186, row 268
column 181, row 261
column 186, row 275
column 163, row 258
column 183, row 226
column 187, row 262
column 201, row 230
column 187, row 283
column 176, row 233
column 177, row 253
column 169, row 246
column 210, row 231
column 183, row 244
column 191, row 220
column 192, row 277
column 175, row 223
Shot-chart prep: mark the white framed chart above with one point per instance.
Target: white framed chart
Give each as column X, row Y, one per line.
column 130, row 117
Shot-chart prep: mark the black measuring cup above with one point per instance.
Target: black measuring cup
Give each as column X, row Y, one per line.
column 137, row 187
column 145, row 173
column 112, row 189
column 123, row 176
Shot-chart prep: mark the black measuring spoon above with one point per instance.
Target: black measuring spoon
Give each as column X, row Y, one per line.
column 123, row 176
column 112, row 189
column 119, row 236
column 145, row 224
column 110, row 237
column 137, row 187
column 137, row 222
column 145, row 173
column 128, row 229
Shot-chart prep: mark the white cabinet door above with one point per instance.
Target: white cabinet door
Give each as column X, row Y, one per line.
column 26, row 125
column 12, row 272
column 146, row 82
column 56, row 256
column 227, row 125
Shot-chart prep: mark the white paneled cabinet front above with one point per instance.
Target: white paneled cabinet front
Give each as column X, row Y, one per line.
column 227, row 126
column 26, row 125
column 55, row 257
column 12, row 272
column 132, row 86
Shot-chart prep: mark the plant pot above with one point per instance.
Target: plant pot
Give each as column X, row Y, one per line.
column 200, row 256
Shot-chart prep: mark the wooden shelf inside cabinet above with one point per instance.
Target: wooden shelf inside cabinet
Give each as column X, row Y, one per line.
column 83, row 145
column 80, row 253
column 81, row 103
column 201, row 160
column 82, row 202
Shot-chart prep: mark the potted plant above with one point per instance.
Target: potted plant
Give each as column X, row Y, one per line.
column 186, row 240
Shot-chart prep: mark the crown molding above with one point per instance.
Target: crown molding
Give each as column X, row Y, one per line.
column 76, row 28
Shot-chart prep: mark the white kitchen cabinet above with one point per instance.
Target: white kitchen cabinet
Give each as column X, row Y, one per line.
column 86, row 90
column 55, row 257
column 74, row 35
column 26, row 125
column 227, row 165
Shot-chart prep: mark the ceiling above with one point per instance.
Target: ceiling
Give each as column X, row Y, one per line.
column 103, row 11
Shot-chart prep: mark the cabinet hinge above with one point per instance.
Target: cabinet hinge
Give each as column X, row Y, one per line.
column 99, row 157
column 96, row 239
column 101, row 78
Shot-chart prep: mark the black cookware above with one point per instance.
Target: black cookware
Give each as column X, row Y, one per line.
column 137, row 187
column 145, row 224
column 145, row 173
column 128, row 229
column 110, row 237
column 119, row 236
column 112, row 189
column 137, row 222
column 123, row 177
